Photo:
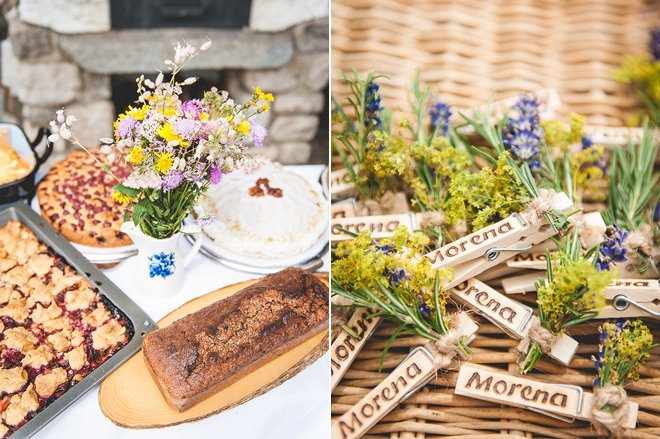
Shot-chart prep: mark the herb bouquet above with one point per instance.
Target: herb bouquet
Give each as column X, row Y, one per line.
column 176, row 149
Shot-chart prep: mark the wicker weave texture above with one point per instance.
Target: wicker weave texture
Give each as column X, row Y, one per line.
column 436, row 412
column 468, row 49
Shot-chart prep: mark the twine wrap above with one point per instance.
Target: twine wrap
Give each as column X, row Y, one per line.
column 537, row 333
column 641, row 240
column 427, row 219
column 445, row 349
column 614, row 397
column 389, row 203
column 589, row 235
column 539, row 206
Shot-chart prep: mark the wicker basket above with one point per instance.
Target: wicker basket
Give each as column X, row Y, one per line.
column 468, row 49
column 435, row 411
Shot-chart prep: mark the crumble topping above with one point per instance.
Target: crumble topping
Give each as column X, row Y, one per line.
column 38, row 357
column 16, row 309
column 40, row 264
column 42, row 314
column 20, row 406
column 79, row 299
column 107, row 335
column 12, row 380
column 19, row 338
column 59, row 341
column 97, row 317
column 47, row 383
column 77, row 358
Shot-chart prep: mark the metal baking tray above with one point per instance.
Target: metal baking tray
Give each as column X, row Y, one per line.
column 140, row 321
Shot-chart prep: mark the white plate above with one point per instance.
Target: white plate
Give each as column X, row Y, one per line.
column 97, row 254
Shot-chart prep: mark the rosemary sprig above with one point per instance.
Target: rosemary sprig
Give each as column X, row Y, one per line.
column 632, row 188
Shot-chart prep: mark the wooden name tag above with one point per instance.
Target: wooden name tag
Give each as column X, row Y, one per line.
column 381, row 226
column 509, row 315
column 535, row 261
column 645, row 292
column 524, row 283
column 345, row 347
column 340, row 182
column 410, row 375
column 501, row 234
column 481, row 382
column 343, row 209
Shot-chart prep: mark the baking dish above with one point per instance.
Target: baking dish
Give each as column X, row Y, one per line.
column 24, row 188
column 139, row 323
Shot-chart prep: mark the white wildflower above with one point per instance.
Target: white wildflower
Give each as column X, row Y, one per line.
column 159, row 78
column 204, row 47
column 106, row 140
column 65, row 133
column 190, row 81
column 70, row 119
column 60, row 115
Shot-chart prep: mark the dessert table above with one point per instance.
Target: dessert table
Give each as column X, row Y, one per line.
column 298, row 407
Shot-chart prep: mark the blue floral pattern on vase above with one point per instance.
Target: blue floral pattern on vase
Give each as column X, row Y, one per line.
column 161, row 264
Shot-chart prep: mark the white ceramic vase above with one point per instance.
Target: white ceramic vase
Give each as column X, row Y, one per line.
column 160, row 267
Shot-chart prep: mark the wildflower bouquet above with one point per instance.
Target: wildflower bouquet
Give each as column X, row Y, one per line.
column 571, row 294
column 175, row 149
column 624, row 347
column 392, row 278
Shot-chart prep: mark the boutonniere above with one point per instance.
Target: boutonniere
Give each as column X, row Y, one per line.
column 632, row 209
column 624, row 347
column 570, row 294
column 392, row 279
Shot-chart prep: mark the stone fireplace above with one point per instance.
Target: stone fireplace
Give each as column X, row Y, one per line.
column 85, row 55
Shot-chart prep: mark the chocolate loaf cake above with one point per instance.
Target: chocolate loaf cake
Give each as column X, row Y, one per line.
column 210, row 349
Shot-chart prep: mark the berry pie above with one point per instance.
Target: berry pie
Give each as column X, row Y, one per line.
column 54, row 327
column 76, row 199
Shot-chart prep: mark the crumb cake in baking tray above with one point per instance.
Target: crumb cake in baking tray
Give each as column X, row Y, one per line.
column 272, row 218
column 63, row 325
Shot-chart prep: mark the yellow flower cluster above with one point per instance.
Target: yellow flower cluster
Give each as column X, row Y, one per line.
column 360, row 262
column 626, row 350
column 136, row 155
column 120, row 198
column 485, row 197
column 576, row 285
column 164, row 162
column 643, row 72
column 559, row 138
column 259, row 95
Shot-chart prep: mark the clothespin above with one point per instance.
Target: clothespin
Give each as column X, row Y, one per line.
column 381, row 226
column 496, row 243
column 341, row 184
column 343, row 209
column 521, row 284
column 613, row 136
column 514, row 318
column 346, row 346
column 562, row 401
column 413, row 373
column 632, row 298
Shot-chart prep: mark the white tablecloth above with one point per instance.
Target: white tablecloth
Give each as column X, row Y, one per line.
column 299, row 408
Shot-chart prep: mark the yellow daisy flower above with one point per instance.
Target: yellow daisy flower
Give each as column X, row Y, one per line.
column 136, row 155
column 164, row 162
column 120, row 198
column 166, row 131
column 243, row 127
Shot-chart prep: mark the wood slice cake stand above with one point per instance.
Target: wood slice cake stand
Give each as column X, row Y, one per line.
column 129, row 397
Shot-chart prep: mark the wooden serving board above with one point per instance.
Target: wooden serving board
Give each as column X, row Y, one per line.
column 129, row 396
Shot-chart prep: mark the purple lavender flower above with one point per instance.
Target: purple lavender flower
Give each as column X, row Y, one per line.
column 523, row 132
column 425, row 310
column 215, row 175
column 127, row 126
column 258, row 133
column 613, row 249
column 586, row 142
column 206, row 220
column 440, row 114
column 656, row 213
column 387, row 249
column 396, row 276
column 172, row 179
column 186, row 128
column 655, row 43
column 372, row 105
column 191, row 109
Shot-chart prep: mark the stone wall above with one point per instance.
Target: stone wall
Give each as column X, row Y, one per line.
column 62, row 53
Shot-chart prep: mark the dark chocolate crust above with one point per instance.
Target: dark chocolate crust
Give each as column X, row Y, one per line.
column 210, row 349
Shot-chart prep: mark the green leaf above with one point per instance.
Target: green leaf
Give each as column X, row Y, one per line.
column 131, row 192
column 141, row 210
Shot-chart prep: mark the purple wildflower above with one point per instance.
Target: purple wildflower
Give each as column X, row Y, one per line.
column 425, row 310
column 258, row 133
column 215, row 175
column 396, row 276
column 127, row 126
column 440, row 114
column 191, row 109
column 655, row 43
column 613, row 249
column 186, row 128
column 387, row 249
column 656, row 213
column 206, row 220
column 372, row 105
column 172, row 179
column 523, row 132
